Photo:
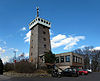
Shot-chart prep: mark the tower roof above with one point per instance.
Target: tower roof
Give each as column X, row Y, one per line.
column 39, row 20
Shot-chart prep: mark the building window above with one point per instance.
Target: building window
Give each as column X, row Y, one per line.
column 44, row 45
column 45, row 52
column 74, row 58
column 61, row 58
column 81, row 60
column 44, row 32
column 67, row 58
column 44, row 39
column 57, row 59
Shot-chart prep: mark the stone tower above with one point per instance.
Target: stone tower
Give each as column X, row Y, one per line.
column 40, row 40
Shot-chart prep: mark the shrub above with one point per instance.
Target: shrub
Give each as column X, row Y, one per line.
column 8, row 67
column 24, row 67
column 49, row 71
column 49, row 57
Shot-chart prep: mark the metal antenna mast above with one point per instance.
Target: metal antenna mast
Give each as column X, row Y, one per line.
column 37, row 11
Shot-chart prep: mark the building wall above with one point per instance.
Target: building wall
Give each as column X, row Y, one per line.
column 80, row 60
column 34, row 45
column 39, row 42
column 43, row 39
column 71, row 63
column 64, row 63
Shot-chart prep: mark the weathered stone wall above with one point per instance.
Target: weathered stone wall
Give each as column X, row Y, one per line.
column 39, row 42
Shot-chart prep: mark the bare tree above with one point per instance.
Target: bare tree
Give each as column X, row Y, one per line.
column 95, row 64
column 91, row 57
column 86, row 52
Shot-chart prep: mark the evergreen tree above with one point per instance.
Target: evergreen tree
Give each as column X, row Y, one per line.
column 49, row 57
column 1, row 67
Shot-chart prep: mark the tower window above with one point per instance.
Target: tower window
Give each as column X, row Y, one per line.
column 44, row 45
column 32, row 23
column 41, row 20
column 31, row 54
column 46, row 22
column 44, row 39
column 44, row 32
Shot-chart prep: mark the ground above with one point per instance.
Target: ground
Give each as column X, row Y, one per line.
column 90, row 77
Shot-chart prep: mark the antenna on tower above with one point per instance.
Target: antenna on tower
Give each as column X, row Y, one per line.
column 37, row 11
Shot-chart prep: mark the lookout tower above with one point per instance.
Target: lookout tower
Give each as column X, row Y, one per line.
column 40, row 40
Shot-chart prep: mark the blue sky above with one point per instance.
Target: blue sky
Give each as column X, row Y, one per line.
column 75, row 24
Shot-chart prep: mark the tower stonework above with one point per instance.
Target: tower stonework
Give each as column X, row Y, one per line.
column 40, row 40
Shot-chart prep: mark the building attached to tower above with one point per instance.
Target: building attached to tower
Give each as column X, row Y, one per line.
column 40, row 40
column 40, row 44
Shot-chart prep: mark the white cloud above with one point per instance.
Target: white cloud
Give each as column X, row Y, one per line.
column 5, row 59
column 58, row 38
column 2, row 50
column 13, row 49
column 27, row 55
column 96, row 48
column 68, row 42
column 23, row 29
column 27, row 38
column 83, row 46
column 16, row 50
